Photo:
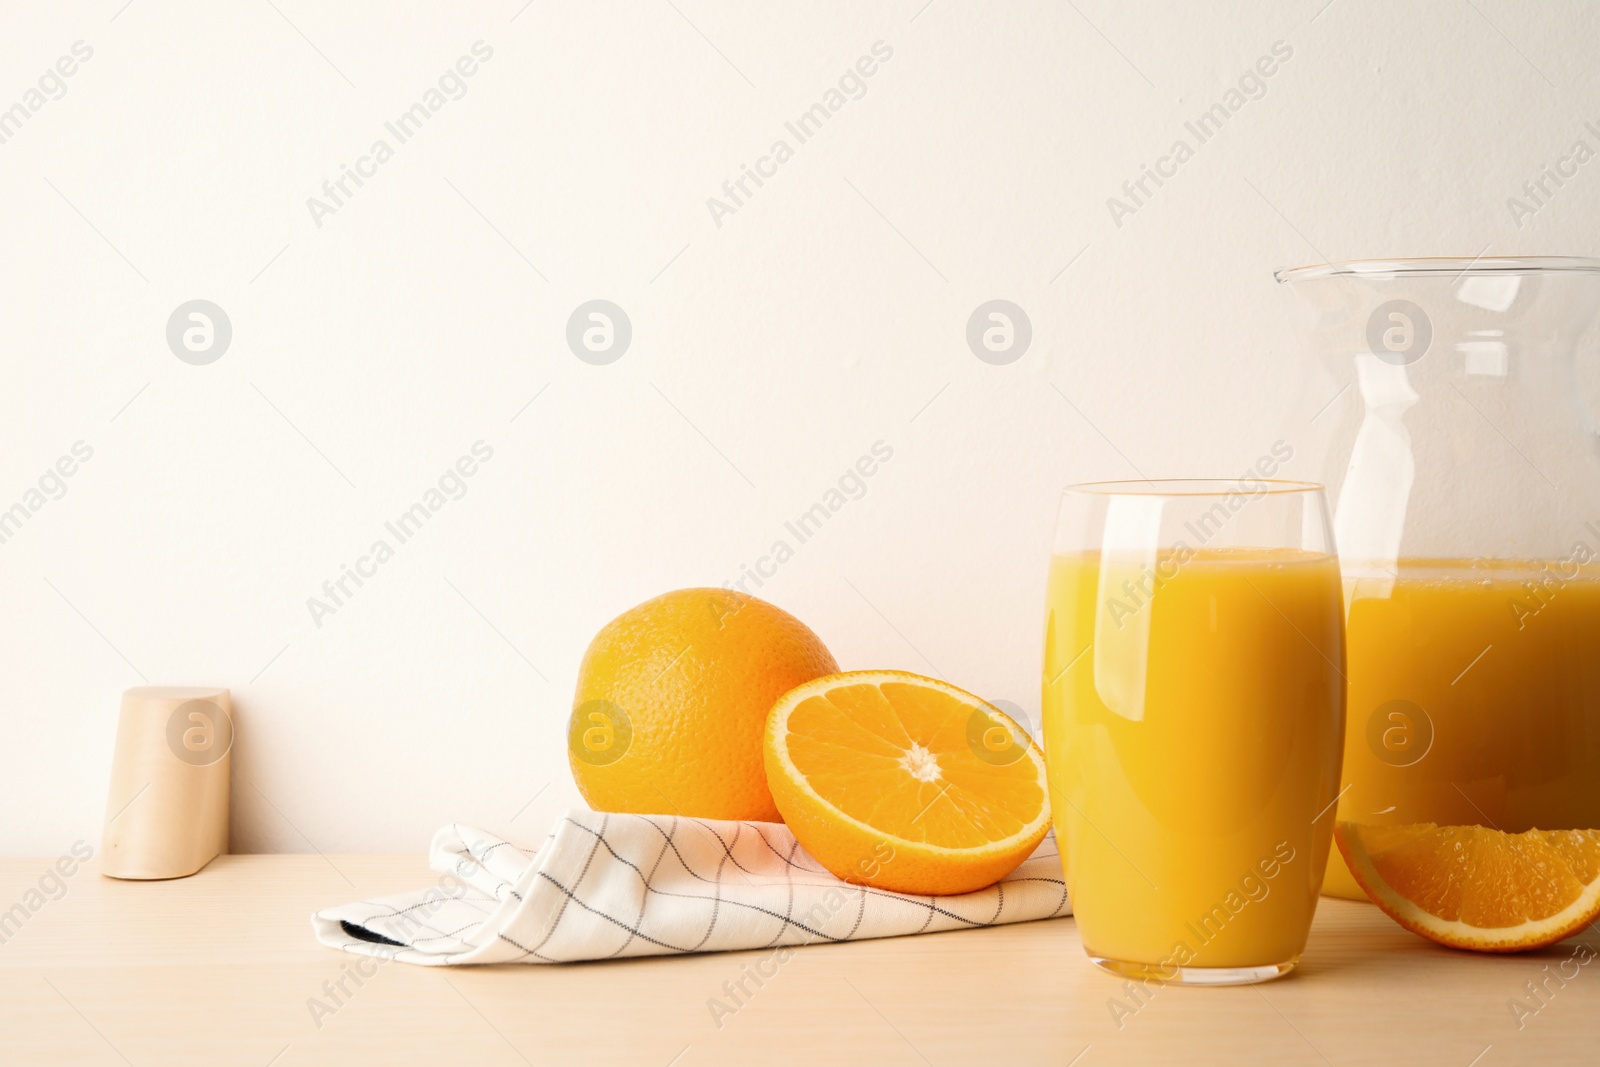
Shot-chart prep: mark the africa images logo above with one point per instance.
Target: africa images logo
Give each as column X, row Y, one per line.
column 1399, row 332
column 199, row 732
column 199, row 332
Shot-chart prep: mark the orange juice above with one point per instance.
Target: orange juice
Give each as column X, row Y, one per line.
column 1193, row 711
column 1474, row 698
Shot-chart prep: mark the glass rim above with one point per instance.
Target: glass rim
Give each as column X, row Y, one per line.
column 1439, row 266
column 1193, row 487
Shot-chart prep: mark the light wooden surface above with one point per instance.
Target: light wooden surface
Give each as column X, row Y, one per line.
column 217, row 970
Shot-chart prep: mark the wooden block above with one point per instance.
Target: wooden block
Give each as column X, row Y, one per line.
column 167, row 813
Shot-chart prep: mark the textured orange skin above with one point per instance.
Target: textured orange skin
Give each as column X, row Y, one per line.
column 1376, row 895
column 696, row 670
column 864, row 858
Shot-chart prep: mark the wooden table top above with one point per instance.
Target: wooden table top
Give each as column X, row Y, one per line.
column 219, row 969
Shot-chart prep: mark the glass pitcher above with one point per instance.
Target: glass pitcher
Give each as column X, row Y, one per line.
column 1464, row 475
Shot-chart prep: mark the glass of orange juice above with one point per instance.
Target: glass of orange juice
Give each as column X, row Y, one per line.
column 1194, row 702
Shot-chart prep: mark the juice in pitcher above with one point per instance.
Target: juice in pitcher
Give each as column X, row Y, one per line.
column 1444, row 412
column 1474, row 697
column 1193, row 711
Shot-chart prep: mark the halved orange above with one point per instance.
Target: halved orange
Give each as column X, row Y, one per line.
column 1477, row 888
column 906, row 783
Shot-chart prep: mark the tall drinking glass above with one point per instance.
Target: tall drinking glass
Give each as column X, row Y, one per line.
column 1194, row 702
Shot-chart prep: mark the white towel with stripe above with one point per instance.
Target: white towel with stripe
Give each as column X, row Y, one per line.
column 612, row 886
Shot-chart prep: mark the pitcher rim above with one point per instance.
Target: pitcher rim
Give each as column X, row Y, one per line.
column 1182, row 487
column 1439, row 266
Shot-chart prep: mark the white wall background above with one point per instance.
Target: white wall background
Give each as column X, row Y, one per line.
column 768, row 353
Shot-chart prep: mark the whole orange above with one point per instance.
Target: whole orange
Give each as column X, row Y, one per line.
column 672, row 704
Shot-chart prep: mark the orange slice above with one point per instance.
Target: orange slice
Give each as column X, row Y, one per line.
column 903, row 782
column 1472, row 887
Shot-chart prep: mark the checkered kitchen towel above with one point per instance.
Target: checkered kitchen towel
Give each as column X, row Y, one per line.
column 608, row 886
